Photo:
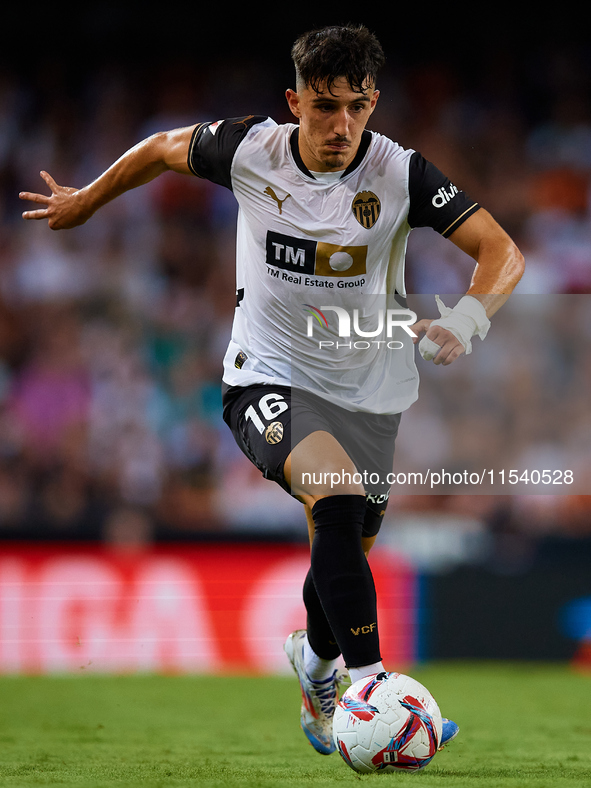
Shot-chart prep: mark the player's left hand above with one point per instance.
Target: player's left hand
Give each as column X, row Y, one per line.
column 450, row 348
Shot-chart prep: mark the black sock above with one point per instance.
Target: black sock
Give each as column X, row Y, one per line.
column 343, row 579
column 320, row 635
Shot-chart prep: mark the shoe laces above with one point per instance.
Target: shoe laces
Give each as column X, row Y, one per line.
column 327, row 691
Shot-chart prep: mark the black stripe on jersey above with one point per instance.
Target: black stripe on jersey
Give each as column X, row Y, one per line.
column 434, row 200
column 361, row 151
column 213, row 145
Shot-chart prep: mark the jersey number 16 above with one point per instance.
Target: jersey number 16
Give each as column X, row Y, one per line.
column 270, row 406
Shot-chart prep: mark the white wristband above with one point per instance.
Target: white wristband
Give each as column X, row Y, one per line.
column 467, row 319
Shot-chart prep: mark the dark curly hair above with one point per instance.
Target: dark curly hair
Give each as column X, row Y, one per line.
column 350, row 51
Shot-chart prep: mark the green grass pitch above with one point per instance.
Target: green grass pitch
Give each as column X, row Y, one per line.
column 521, row 725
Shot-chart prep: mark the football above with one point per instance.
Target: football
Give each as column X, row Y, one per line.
column 385, row 723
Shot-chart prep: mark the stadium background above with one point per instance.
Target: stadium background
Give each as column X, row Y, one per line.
column 116, row 471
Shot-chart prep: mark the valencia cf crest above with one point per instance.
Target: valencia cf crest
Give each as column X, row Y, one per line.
column 274, row 432
column 366, row 208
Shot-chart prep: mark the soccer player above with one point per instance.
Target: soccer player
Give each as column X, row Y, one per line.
column 325, row 210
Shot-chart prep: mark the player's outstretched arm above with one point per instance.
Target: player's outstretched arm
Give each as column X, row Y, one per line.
column 68, row 207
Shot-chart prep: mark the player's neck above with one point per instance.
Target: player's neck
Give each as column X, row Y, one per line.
column 315, row 164
column 309, row 164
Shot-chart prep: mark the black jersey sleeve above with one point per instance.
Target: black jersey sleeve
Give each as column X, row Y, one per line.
column 434, row 200
column 213, row 146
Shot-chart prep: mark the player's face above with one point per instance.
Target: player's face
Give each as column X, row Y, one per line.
column 331, row 123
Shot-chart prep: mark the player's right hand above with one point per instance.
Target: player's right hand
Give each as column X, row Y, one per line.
column 442, row 346
column 63, row 208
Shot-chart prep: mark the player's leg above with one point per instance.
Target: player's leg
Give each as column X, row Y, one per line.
column 321, row 649
column 338, row 579
column 313, row 653
column 322, row 474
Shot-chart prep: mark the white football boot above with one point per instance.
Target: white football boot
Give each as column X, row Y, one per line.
column 319, row 698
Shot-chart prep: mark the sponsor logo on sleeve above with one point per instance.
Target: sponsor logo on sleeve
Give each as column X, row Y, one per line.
column 444, row 195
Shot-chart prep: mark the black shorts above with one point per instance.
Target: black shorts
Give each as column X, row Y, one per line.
column 268, row 421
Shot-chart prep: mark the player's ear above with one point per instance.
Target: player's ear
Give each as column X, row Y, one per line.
column 374, row 100
column 293, row 101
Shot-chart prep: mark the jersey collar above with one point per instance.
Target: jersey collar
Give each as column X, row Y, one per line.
column 361, row 151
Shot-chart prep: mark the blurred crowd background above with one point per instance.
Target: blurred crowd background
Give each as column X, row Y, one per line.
column 112, row 334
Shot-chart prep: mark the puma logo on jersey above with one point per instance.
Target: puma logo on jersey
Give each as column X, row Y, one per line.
column 243, row 121
column 269, row 191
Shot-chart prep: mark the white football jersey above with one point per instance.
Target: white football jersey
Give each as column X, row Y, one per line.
column 320, row 261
